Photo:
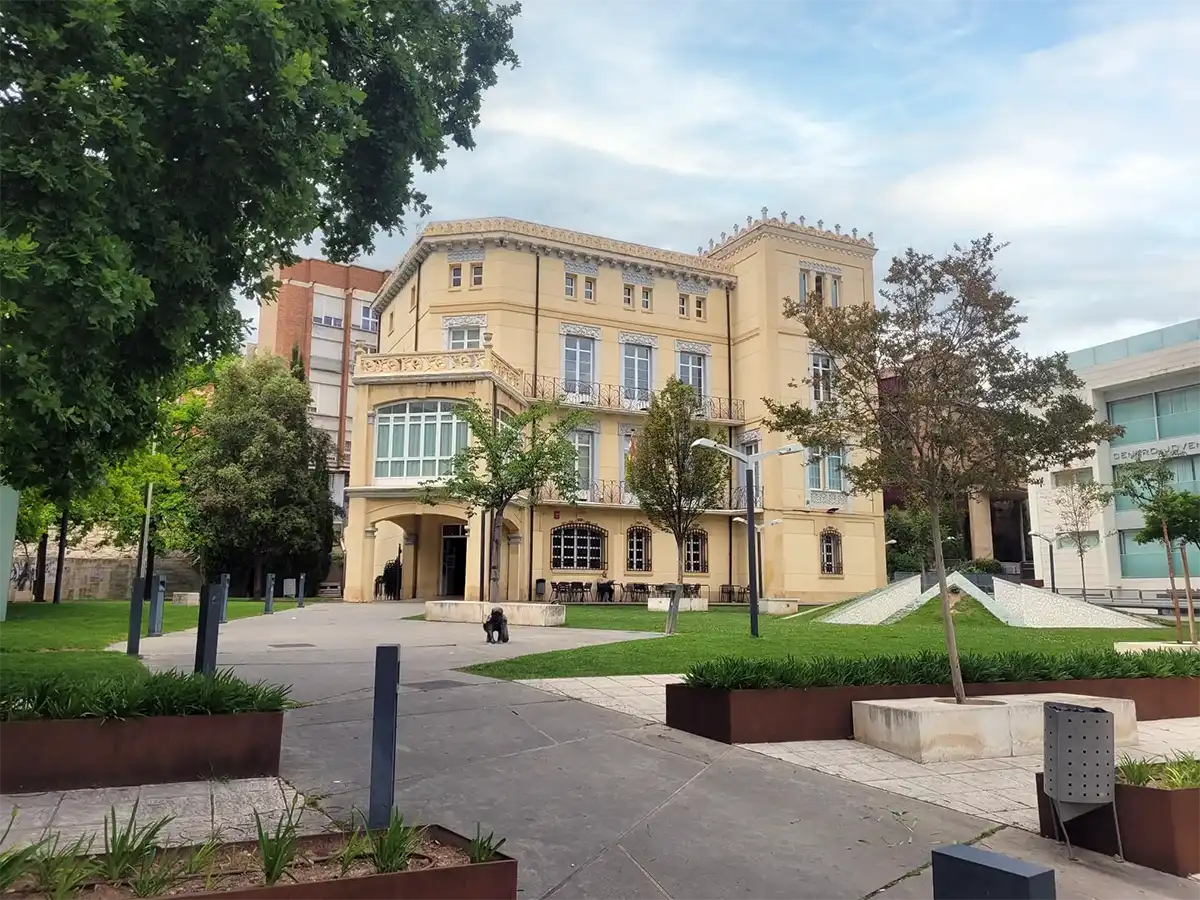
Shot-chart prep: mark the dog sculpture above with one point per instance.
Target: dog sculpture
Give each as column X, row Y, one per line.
column 496, row 627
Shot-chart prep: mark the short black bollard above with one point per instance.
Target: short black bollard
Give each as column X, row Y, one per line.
column 133, row 644
column 207, row 633
column 963, row 872
column 158, row 597
column 224, row 598
column 300, row 592
column 383, row 735
column 269, row 595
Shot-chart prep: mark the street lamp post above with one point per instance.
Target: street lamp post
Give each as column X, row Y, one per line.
column 1050, row 543
column 758, row 528
column 749, row 460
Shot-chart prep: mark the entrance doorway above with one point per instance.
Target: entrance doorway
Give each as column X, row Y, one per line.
column 453, row 582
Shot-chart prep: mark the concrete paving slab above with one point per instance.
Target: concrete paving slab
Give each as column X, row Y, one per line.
column 613, row 874
column 91, row 805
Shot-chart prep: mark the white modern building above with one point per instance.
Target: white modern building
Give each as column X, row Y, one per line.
column 1150, row 385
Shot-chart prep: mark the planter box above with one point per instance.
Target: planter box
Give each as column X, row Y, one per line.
column 64, row 754
column 543, row 615
column 1159, row 828
column 686, row 604
column 825, row 714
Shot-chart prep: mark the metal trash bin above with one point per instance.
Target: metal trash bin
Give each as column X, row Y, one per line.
column 1079, row 764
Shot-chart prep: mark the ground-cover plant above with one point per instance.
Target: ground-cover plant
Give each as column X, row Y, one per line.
column 357, row 846
column 484, row 848
column 129, row 848
column 392, row 847
column 60, row 874
column 154, row 877
column 16, row 862
column 1179, row 772
column 931, row 667
column 277, row 849
column 170, row 693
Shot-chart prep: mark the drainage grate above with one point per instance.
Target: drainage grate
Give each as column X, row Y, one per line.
column 437, row 685
column 289, row 646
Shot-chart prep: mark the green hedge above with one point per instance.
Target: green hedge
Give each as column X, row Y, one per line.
column 171, row 693
column 932, row 667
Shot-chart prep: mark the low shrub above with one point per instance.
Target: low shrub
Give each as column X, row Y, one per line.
column 171, row 693
column 984, row 564
column 1180, row 772
column 931, row 667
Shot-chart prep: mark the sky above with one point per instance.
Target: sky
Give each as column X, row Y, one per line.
column 1070, row 130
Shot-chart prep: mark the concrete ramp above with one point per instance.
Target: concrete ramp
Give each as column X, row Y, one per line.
column 1027, row 606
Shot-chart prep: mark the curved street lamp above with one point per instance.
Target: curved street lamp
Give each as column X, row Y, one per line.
column 1050, row 543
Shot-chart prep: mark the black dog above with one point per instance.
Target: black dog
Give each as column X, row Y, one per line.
column 496, row 627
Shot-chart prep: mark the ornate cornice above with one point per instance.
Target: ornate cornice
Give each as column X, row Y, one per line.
column 478, row 320
column 636, row 337
column 693, row 347
column 780, row 226
column 587, row 331
column 472, row 235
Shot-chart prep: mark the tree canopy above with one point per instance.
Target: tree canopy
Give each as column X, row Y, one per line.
column 1077, row 503
column 933, row 387
column 159, row 156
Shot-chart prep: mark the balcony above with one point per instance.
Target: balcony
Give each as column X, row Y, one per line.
column 593, row 395
column 617, row 493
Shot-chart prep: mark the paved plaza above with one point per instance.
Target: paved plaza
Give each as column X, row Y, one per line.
column 596, row 800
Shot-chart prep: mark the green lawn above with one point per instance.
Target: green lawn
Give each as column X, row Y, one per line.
column 79, row 630
column 727, row 633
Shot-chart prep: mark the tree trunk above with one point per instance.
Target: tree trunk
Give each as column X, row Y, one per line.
column 1082, row 576
column 1171, row 575
column 673, row 602
column 257, row 587
column 39, row 582
column 956, row 679
column 62, row 555
column 1187, row 588
column 494, row 556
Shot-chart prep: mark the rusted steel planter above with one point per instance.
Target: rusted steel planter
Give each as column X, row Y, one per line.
column 824, row 714
column 1159, row 828
column 64, row 754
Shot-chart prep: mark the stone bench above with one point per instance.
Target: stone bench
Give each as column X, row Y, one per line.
column 1143, row 646
column 185, row 598
column 686, row 604
column 538, row 614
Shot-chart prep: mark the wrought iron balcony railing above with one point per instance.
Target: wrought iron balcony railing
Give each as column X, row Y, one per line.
column 594, row 395
column 617, row 493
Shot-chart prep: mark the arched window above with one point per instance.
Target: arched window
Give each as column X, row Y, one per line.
column 831, row 552
column 417, row 439
column 695, row 551
column 637, row 549
column 578, row 546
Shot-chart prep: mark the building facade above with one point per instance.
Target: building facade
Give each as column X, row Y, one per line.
column 1150, row 385
column 506, row 312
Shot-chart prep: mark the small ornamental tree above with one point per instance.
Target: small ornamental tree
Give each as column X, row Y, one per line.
column 934, row 390
column 1176, row 513
column 507, row 458
column 1078, row 503
column 1148, row 482
column 674, row 483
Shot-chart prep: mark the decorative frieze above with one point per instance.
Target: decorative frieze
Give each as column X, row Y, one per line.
column 466, row 254
column 593, row 427
column 811, row 265
column 630, row 276
column 400, row 364
column 750, row 437
column 587, row 331
column 636, row 337
column 478, row 320
column 582, row 268
column 693, row 347
column 692, row 287
column 828, row 499
column 627, row 430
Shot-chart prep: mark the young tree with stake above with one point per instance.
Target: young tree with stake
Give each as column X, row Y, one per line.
column 934, row 389
column 507, row 458
column 673, row 482
column 1176, row 514
column 1078, row 503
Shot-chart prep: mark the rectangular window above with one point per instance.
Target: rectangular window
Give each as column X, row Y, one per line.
column 695, row 552
column 635, row 373
column 819, row 289
column 751, row 449
column 328, row 310
column 834, row 299
column 684, row 304
column 585, row 447
column 579, row 366
column 569, row 286
column 1072, row 476
column 477, row 275
column 1091, row 539
column 833, row 471
column 464, row 338
column 691, row 371
column 804, row 289
column 589, row 289
column 368, row 318
column 1148, row 560
column 647, row 298
column 1178, row 411
column 626, row 449
column 627, row 295
column 822, row 377
column 1136, row 416
column 412, row 297
column 637, row 558
column 814, row 470
column 391, row 321
column 577, row 547
column 456, row 276
column 700, row 311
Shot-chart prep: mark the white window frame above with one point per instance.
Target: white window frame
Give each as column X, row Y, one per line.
column 477, row 274
column 803, row 288
column 834, row 291
column 695, row 552
column 821, row 367
column 626, row 447
column 321, row 314
column 369, row 319
column 636, row 395
column 589, row 290
column 691, row 358
column 627, row 295
column 750, row 449
column 421, row 420
column 701, row 306
column 578, row 389
column 464, row 337
column 456, row 276
column 685, row 305
column 569, row 286
column 825, row 471
column 584, row 440
column 647, row 298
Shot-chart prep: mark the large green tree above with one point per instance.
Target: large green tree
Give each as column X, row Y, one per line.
column 158, row 156
column 933, row 387
column 509, row 457
column 257, row 480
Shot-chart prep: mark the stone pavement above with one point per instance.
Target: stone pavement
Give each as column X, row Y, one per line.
column 594, row 802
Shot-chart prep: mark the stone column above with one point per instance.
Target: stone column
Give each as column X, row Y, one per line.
column 477, row 538
column 408, row 570
column 979, row 512
column 367, row 567
column 518, row 569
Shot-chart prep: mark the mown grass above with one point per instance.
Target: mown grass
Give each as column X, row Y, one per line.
column 705, row 636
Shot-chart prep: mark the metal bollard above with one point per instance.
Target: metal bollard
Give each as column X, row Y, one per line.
column 224, row 598
column 206, row 634
column 133, row 644
column 158, row 597
column 300, row 592
column 383, row 735
column 962, row 872
column 269, row 595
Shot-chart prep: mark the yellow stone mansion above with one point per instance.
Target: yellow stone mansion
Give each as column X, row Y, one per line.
column 507, row 311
